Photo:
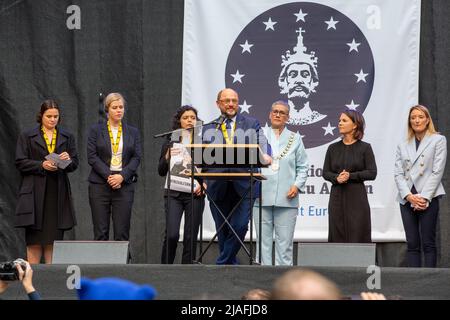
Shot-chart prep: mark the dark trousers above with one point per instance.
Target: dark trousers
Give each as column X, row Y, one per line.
column 181, row 202
column 106, row 202
column 420, row 229
column 228, row 243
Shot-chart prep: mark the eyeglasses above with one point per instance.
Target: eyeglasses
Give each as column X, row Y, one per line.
column 229, row 101
column 281, row 113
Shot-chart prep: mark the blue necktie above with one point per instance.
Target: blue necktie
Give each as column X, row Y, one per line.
column 228, row 126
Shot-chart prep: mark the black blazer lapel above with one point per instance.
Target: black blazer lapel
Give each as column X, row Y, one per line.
column 106, row 141
column 127, row 140
column 240, row 124
column 61, row 139
column 239, row 121
column 37, row 138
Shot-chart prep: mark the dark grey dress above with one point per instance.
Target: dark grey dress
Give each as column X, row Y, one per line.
column 49, row 231
column 348, row 207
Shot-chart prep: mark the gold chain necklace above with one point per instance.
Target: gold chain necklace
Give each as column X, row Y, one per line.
column 286, row 149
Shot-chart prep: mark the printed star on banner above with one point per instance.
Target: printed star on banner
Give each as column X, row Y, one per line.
column 245, row 107
column 269, row 24
column 246, row 47
column 353, row 46
column 237, row 76
column 266, row 130
column 352, row 105
column 328, row 129
column 300, row 16
column 361, row 76
column 331, row 23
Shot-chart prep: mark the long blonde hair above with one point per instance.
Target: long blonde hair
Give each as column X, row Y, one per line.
column 430, row 126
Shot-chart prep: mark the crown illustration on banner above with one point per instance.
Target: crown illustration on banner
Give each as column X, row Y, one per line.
column 300, row 54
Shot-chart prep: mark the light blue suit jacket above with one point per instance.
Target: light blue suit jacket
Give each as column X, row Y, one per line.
column 293, row 170
column 422, row 168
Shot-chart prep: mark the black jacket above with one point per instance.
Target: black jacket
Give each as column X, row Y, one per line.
column 30, row 154
column 99, row 153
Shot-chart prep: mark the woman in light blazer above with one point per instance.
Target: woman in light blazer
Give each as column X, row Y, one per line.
column 286, row 177
column 419, row 166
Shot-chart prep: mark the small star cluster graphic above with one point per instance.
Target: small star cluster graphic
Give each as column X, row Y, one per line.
column 344, row 66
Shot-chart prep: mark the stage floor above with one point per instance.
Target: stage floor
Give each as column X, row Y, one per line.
column 185, row 282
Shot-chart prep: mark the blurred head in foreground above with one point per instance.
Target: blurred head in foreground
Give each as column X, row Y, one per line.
column 302, row 284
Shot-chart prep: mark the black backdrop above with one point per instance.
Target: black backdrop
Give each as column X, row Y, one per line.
column 135, row 47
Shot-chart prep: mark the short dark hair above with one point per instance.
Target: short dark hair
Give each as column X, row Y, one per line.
column 47, row 104
column 176, row 124
column 219, row 94
column 358, row 119
column 281, row 103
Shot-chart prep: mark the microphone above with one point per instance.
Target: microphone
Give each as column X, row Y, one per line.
column 176, row 136
column 220, row 120
column 101, row 110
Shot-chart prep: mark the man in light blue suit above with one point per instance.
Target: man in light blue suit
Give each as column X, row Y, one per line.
column 285, row 178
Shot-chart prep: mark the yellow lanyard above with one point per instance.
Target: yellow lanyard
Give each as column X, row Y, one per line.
column 115, row 144
column 50, row 145
column 229, row 140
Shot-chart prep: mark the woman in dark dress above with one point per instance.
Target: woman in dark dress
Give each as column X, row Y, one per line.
column 45, row 206
column 348, row 163
column 180, row 202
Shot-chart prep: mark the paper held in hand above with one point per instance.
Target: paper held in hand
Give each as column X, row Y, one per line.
column 180, row 170
column 61, row 164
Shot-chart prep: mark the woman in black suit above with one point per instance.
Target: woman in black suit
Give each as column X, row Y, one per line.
column 114, row 153
column 180, row 202
column 45, row 206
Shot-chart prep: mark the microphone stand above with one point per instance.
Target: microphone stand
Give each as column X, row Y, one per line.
column 162, row 135
column 191, row 140
column 218, row 122
column 101, row 109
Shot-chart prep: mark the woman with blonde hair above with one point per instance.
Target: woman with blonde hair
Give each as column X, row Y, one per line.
column 114, row 154
column 419, row 166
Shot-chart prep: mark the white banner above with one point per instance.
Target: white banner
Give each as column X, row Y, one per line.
column 364, row 56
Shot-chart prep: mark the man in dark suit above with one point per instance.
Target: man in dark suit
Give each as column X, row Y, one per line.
column 235, row 128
